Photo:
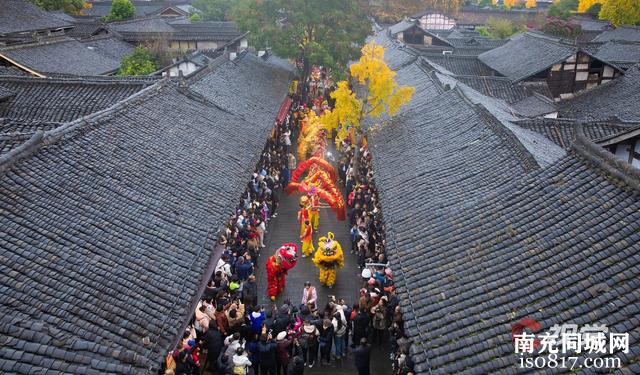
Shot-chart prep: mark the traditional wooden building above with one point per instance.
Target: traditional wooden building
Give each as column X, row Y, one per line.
column 470, row 17
column 409, row 32
column 180, row 36
column 618, row 98
column 625, row 146
column 533, row 56
column 435, row 20
column 59, row 56
column 21, row 20
column 145, row 8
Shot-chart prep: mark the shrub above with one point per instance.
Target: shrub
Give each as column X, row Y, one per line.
column 137, row 63
column 121, row 10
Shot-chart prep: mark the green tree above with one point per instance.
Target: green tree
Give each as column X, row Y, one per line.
column 563, row 8
column 327, row 32
column 214, row 10
column 594, row 10
column 500, row 28
column 121, row 10
column 73, row 7
column 621, row 12
column 195, row 17
column 139, row 62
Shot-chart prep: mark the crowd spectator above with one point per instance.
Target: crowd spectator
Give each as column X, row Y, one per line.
column 362, row 357
column 377, row 311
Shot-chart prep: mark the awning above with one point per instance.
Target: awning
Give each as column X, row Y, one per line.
column 284, row 109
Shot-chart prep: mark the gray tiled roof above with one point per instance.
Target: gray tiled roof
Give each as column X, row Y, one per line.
column 242, row 96
column 563, row 131
column 62, row 99
column 61, row 56
column 618, row 98
column 401, row 26
column 621, row 54
column 589, row 24
column 110, row 46
column 459, row 64
column 142, row 28
column 498, row 87
column 395, row 55
column 143, row 7
column 146, row 184
column 540, row 148
column 457, row 152
column 469, row 253
column 151, row 27
column 220, row 31
column 527, row 54
column 476, row 42
column 86, row 28
column 8, row 125
column 21, row 15
column 520, row 97
column 622, row 33
column 560, row 246
column 5, row 93
column 12, row 71
column 14, row 133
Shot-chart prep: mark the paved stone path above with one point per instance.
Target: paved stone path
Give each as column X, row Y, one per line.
column 284, row 228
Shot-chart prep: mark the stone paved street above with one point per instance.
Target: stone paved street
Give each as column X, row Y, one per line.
column 284, row 229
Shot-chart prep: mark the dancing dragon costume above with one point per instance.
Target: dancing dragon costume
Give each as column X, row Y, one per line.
column 328, row 258
column 278, row 265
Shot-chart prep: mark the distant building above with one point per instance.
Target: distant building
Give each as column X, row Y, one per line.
column 566, row 68
column 618, row 99
column 21, row 20
column 145, row 8
column 58, row 57
column 625, row 146
column 455, row 41
column 470, row 17
column 408, row 31
column 435, row 20
column 180, row 36
column 46, row 44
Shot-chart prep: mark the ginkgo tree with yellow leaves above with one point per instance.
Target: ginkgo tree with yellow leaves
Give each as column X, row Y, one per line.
column 380, row 94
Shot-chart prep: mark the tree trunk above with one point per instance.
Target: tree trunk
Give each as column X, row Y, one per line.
column 306, row 72
column 356, row 158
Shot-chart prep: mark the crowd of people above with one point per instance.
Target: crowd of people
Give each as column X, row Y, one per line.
column 233, row 334
column 377, row 295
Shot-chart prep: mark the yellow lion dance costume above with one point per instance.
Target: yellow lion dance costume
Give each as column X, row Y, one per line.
column 328, row 258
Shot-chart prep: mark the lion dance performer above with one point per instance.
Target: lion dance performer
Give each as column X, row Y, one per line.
column 307, row 240
column 278, row 265
column 314, row 208
column 303, row 213
column 328, row 259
